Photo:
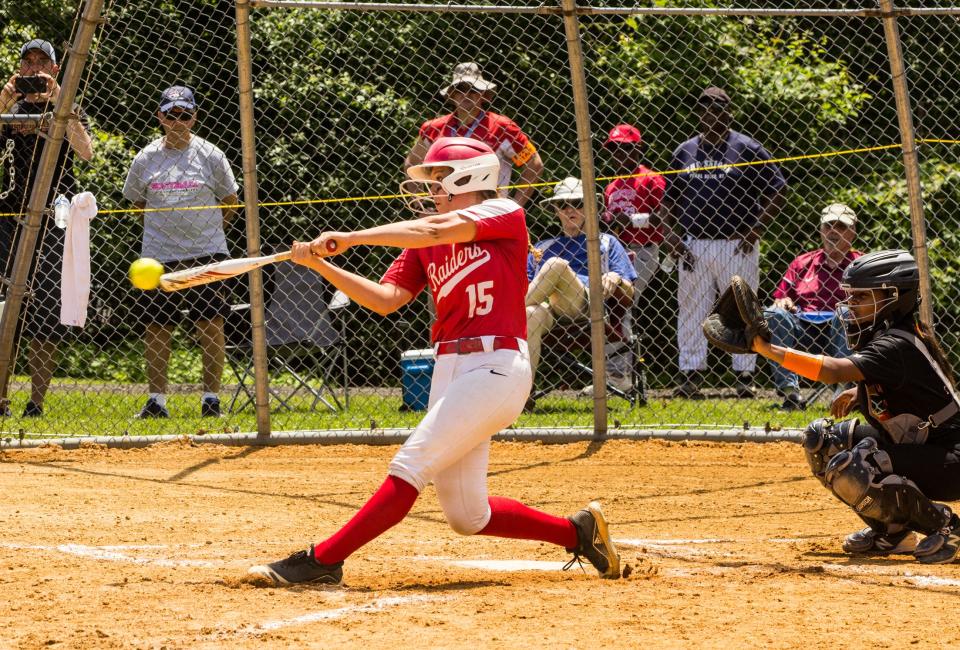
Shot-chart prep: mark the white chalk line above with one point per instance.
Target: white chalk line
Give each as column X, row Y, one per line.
column 115, row 553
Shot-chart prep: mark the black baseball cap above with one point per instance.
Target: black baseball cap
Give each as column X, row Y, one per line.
column 39, row 44
column 713, row 95
column 177, row 96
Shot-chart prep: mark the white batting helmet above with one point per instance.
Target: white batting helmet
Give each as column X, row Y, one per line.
column 475, row 166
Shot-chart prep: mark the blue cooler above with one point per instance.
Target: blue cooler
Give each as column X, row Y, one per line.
column 417, row 369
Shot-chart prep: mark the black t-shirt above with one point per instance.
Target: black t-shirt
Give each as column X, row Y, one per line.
column 20, row 167
column 900, row 380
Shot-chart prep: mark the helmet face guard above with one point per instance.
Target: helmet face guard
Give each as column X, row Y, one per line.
column 472, row 167
column 858, row 330
column 418, row 196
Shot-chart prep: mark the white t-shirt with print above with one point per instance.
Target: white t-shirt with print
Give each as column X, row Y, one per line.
column 173, row 179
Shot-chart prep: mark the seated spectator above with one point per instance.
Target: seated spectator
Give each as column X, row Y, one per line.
column 807, row 296
column 557, row 270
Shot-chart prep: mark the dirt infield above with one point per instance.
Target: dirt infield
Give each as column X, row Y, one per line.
column 730, row 546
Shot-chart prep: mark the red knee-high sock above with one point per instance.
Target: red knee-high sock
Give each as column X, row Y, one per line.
column 385, row 509
column 509, row 518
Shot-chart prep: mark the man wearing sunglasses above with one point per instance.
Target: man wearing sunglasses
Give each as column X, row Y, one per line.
column 469, row 94
column 21, row 146
column 186, row 183
column 557, row 270
column 722, row 200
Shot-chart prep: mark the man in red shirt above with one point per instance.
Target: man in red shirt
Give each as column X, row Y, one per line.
column 631, row 201
column 469, row 94
column 469, row 253
column 804, row 302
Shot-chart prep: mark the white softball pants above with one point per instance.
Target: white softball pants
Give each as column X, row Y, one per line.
column 472, row 397
column 715, row 262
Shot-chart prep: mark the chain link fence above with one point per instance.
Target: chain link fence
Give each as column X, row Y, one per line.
column 345, row 98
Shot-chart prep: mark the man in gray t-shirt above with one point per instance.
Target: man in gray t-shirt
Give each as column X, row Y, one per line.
column 186, row 180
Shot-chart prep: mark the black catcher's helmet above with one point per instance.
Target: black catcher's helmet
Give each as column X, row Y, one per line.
column 894, row 270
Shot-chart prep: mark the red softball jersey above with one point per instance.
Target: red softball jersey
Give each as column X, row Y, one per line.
column 503, row 135
column 479, row 286
column 642, row 193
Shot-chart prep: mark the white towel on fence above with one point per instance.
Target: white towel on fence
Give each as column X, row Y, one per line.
column 75, row 283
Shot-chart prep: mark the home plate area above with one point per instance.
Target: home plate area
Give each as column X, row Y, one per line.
column 723, row 545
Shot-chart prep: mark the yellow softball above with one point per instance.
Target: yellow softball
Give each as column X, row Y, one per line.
column 145, row 273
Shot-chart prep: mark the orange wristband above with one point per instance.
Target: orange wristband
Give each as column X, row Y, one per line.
column 804, row 364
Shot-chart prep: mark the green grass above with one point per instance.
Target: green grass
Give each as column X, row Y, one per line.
column 80, row 410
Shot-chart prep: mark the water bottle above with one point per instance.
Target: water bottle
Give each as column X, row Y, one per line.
column 61, row 211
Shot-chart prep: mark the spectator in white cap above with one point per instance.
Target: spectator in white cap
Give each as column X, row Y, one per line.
column 33, row 90
column 469, row 93
column 189, row 187
column 557, row 269
column 803, row 313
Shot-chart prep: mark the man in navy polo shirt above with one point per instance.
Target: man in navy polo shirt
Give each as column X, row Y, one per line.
column 721, row 208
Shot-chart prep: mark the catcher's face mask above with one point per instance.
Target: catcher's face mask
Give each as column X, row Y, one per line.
column 863, row 311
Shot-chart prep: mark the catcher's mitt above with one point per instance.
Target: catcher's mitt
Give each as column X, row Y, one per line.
column 736, row 319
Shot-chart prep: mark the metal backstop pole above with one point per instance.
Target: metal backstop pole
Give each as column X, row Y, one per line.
column 46, row 170
column 911, row 162
column 581, row 106
column 252, row 213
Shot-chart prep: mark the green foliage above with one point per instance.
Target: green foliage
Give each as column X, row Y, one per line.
column 339, row 97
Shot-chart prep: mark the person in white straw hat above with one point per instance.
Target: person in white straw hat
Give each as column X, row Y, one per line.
column 469, row 93
column 803, row 315
column 557, row 268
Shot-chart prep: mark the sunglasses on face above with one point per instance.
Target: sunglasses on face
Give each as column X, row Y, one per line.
column 182, row 116
column 564, row 205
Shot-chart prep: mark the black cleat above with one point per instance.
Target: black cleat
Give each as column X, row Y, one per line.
column 793, row 402
column 594, row 542
column 210, row 407
column 153, row 409
column 870, row 542
column 31, row 410
column 299, row 568
column 943, row 546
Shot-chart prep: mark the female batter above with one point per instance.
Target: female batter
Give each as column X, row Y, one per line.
column 470, row 249
column 908, row 451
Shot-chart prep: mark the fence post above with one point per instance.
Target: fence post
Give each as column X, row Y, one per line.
column 252, row 213
column 911, row 162
column 571, row 24
column 76, row 59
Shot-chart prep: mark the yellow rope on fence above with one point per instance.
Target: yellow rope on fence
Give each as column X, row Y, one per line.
column 381, row 197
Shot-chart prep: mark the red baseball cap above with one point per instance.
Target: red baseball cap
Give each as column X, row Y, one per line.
column 624, row 134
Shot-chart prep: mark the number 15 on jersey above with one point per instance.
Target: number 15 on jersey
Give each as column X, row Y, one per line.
column 481, row 300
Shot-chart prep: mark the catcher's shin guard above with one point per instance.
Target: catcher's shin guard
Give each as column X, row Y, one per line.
column 823, row 440
column 863, row 478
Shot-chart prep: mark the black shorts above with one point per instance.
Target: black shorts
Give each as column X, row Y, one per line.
column 204, row 302
column 42, row 303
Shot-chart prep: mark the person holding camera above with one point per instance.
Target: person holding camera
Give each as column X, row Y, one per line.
column 33, row 90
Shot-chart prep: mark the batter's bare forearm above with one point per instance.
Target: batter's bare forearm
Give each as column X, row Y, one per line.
column 380, row 298
column 448, row 228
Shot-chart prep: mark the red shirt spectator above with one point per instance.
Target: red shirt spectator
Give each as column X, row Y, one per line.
column 812, row 283
column 469, row 94
column 630, row 201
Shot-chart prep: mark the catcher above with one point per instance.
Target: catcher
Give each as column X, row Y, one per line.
column 907, row 451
